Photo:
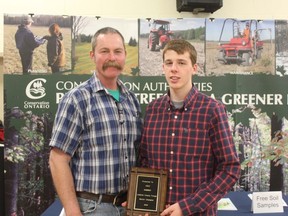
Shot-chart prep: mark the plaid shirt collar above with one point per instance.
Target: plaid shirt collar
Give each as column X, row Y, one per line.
column 97, row 86
column 187, row 101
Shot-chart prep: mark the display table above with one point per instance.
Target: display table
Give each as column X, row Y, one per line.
column 243, row 205
column 239, row 199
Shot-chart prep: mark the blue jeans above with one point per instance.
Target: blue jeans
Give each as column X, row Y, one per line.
column 98, row 208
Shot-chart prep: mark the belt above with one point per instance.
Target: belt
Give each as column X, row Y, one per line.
column 116, row 199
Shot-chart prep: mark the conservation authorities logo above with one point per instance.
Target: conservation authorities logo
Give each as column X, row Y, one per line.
column 35, row 90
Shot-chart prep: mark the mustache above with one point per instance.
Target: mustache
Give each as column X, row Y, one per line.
column 111, row 64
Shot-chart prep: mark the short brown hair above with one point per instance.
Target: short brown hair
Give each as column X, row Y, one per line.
column 54, row 29
column 105, row 30
column 181, row 46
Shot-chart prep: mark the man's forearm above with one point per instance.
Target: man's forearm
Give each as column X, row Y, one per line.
column 63, row 181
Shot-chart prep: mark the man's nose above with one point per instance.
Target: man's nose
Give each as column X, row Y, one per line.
column 112, row 56
column 174, row 66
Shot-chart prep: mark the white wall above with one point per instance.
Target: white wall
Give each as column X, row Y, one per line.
column 240, row 9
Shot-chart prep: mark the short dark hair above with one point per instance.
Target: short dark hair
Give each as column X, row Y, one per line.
column 181, row 46
column 105, row 30
column 54, row 29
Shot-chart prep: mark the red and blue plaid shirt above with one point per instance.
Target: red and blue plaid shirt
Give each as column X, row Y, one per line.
column 194, row 143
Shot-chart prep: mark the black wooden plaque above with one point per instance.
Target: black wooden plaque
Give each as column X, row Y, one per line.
column 147, row 191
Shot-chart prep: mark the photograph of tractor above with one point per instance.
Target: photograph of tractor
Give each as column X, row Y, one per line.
column 245, row 46
column 159, row 35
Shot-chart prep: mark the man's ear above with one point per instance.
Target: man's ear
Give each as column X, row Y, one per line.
column 91, row 55
column 195, row 69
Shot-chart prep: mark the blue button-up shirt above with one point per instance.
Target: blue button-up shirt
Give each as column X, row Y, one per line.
column 100, row 134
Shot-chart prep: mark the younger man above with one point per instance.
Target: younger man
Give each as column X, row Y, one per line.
column 187, row 133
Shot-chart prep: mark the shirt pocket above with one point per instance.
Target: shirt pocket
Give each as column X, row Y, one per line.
column 93, row 123
column 98, row 130
column 194, row 142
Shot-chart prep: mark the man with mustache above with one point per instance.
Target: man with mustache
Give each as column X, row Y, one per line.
column 96, row 132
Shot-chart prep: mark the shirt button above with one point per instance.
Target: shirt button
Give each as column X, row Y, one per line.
column 171, row 170
column 173, row 134
column 175, row 117
column 171, row 152
column 170, row 188
column 185, row 109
